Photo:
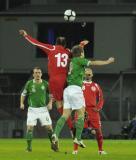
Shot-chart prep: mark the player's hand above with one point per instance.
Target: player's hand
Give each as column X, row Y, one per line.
column 95, row 109
column 22, row 106
column 111, row 60
column 49, row 106
column 83, row 43
column 68, row 49
column 23, row 32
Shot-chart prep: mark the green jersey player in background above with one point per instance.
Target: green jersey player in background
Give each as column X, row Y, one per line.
column 36, row 91
column 73, row 95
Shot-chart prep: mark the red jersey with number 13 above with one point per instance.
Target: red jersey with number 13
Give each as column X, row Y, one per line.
column 58, row 56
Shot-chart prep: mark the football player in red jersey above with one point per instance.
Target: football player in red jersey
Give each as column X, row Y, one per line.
column 94, row 103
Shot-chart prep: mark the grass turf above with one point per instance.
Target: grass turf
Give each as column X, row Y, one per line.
column 14, row 149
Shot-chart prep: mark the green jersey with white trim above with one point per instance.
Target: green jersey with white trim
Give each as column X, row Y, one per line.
column 76, row 70
column 36, row 92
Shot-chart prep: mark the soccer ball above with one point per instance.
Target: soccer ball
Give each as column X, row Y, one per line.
column 69, row 15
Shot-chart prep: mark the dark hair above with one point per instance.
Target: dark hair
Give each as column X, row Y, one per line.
column 38, row 68
column 77, row 50
column 61, row 41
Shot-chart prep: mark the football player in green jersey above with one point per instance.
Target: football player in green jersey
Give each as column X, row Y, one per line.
column 73, row 95
column 36, row 90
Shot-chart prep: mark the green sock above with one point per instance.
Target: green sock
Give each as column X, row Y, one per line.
column 29, row 136
column 50, row 132
column 79, row 127
column 59, row 125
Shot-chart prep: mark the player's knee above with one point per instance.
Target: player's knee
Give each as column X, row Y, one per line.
column 66, row 113
column 81, row 113
column 48, row 127
column 65, row 116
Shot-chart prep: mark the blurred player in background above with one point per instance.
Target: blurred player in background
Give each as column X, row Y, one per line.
column 73, row 94
column 58, row 59
column 36, row 91
column 94, row 103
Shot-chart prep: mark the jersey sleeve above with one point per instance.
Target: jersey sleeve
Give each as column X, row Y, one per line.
column 47, row 48
column 100, row 97
column 84, row 62
column 25, row 90
column 47, row 91
column 46, row 84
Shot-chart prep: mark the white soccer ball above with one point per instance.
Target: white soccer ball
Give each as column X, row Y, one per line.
column 69, row 15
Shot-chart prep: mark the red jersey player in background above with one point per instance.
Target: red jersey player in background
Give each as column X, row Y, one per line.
column 94, row 103
column 58, row 59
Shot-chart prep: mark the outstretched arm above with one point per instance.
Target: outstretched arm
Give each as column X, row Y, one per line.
column 43, row 46
column 22, row 32
column 84, row 43
column 104, row 62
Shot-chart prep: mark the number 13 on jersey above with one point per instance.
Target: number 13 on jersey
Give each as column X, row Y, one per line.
column 62, row 59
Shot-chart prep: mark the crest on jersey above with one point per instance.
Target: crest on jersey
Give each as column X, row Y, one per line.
column 33, row 89
column 42, row 87
column 93, row 88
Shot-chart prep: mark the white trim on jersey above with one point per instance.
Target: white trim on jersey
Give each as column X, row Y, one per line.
column 87, row 82
column 89, row 63
column 22, row 94
column 36, row 44
column 96, row 85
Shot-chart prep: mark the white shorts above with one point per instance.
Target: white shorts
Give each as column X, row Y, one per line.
column 73, row 97
column 40, row 113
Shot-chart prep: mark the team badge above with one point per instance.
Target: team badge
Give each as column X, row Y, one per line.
column 93, row 88
column 42, row 87
column 33, row 89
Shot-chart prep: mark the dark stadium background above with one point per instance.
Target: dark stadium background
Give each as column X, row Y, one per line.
column 110, row 28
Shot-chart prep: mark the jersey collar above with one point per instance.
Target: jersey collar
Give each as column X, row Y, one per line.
column 89, row 82
column 35, row 81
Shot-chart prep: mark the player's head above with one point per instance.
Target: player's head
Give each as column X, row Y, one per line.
column 77, row 51
column 88, row 73
column 37, row 73
column 61, row 41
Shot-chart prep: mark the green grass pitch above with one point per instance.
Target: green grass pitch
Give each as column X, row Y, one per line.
column 14, row 149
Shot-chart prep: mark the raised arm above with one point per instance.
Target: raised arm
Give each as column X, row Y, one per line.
column 103, row 62
column 84, row 43
column 45, row 47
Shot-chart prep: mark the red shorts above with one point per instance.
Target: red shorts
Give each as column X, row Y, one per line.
column 57, row 85
column 93, row 119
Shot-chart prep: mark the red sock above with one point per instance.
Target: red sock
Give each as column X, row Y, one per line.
column 69, row 120
column 99, row 138
column 75, row 147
